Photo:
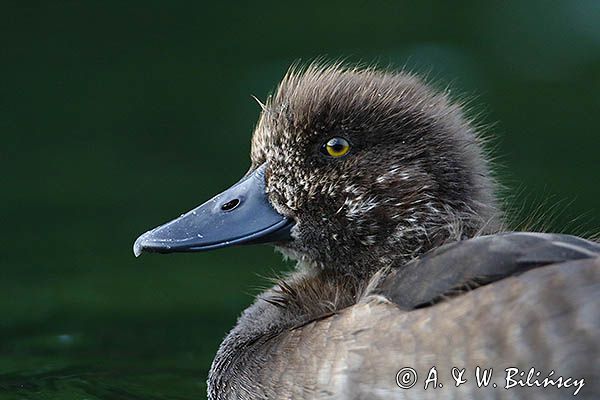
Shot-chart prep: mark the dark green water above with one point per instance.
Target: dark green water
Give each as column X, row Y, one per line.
column 117, row 116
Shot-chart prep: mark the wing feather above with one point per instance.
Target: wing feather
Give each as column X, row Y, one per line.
column 462, row 266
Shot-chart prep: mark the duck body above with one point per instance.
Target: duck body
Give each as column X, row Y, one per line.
column 524, row 314
column 382, row 191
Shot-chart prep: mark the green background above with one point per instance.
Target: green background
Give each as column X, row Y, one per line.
column 116, row 116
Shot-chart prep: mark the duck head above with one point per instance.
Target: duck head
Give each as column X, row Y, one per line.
column 351, row 169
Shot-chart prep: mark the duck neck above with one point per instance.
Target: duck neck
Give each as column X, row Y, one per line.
column 304, row 296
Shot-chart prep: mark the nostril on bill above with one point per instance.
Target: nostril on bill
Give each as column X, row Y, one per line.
column 230, row 205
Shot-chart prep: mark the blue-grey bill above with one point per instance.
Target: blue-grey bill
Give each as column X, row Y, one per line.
column 241, row 214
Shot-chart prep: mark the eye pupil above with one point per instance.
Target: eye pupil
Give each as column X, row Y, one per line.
column 336, row 147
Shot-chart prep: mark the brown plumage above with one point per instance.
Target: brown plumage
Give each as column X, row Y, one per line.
column 535, row 306
column 400, row 259
column 417, row 174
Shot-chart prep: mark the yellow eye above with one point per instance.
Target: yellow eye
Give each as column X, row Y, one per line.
column 336, row 147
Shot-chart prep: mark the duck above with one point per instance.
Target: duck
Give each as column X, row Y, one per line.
column 408, row 283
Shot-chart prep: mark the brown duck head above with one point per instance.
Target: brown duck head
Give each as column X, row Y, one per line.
column 351, row 169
